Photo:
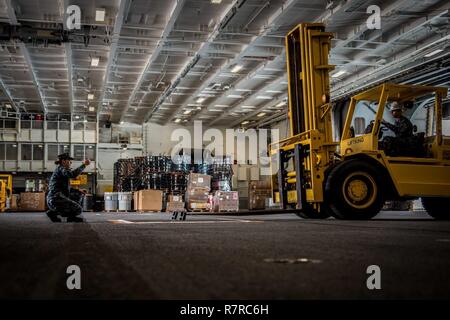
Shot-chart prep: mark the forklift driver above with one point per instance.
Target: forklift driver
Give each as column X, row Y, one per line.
column 403, row 129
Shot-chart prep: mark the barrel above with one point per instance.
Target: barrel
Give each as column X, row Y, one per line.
column 88, row 202
column 125, row 200
column 111, row 201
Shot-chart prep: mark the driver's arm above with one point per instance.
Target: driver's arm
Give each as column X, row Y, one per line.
column 390, row 126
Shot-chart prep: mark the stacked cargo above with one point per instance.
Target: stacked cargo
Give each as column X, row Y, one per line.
column 199, row 186
column 148, row 200
column 175, row 203
column 258, row 192
column 225, row 201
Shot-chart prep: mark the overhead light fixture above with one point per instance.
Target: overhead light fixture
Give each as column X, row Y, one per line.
column 264, row 97
column 282, row 103
column 90, row 96
column 215, row 110
column 247, row 107
column 236, row 68
column 187, row 111
column 121, row 122
column 84, row 120
column 435, row 52
column 199, row 108
column 234, row 96
column 177, row 120
column 100, row 15
column 221, row 106
column 245, row 122
column 95, row 61
column 77, row 117
column 216, row 1
column 8, row 106
column 91, row 109
column 200, row 100
column 338, row 74
column 262, row 114
column 274, row 91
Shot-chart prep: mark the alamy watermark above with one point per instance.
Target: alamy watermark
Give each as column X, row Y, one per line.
column 74, row 280
column 212, row 145
column 374, row 280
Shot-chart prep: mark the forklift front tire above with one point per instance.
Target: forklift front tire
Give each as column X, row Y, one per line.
column 353, row 190
column 438, row 208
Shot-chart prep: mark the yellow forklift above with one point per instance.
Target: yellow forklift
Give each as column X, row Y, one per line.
column 351, row 179
column 5, row 190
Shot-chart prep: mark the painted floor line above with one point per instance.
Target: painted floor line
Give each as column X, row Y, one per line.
column 120, row 221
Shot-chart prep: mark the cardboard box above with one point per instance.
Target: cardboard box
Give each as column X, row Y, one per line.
column 149, row 200
column 136, row 200
column 197, row 180
column 199, row 194
column 13, row 204
column 192, row 205
column 175, row 198
column 32, row 201
column 259, row 185
column 258, row 191
column 175, row 206
column 226, row 201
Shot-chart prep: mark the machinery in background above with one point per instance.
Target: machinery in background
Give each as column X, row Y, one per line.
column 351, row 179
column 5, row 191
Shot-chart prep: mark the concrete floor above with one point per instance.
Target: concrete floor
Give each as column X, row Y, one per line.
column 148, row 256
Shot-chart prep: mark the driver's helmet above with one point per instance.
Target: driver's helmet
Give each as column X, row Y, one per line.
column 396, row 106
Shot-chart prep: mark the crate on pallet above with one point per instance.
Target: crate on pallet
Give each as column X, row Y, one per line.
column 226, row 201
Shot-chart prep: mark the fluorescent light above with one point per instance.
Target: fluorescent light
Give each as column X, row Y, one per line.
column 177, row 120
column 77, row 117
column 247, row 107
column 245, row 122
column 90, row 96
column 216, row 1
column 200, row 100
column 100, row 15
column 121, row 122
column 84, row 120
column 234, row 96
column 264, row 97
column 274, row 91
column 215, row 110
column 236, row 68
column 221, row 106
column 262, row 114
column 187, row 111
column 8, row 106
column 282, row 103
column 95, row 61
column 338, row 74
column 199, row 108
column 433, row 53
column 91, row 109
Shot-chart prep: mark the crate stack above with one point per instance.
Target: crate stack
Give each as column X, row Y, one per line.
column 221, row 174
column 258, row 192
column 197, row 193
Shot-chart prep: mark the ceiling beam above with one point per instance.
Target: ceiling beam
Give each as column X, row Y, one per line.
column 224, row 19
column 173, row 16
column 273, row 20
column 121, row 15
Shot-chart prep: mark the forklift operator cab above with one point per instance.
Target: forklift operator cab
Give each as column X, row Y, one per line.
column 374, row 106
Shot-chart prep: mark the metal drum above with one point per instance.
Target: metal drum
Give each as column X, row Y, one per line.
column 125, row 200
column 88, row 202
column 111, row 201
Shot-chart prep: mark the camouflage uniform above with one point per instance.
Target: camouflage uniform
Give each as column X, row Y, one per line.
column 60, row 198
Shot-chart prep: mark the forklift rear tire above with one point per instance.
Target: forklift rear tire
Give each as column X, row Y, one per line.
column 309, row 212
column 437, row 207
column 353, row 190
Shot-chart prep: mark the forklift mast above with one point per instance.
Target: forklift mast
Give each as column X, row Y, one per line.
column 307, row 50
column 310, row 144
